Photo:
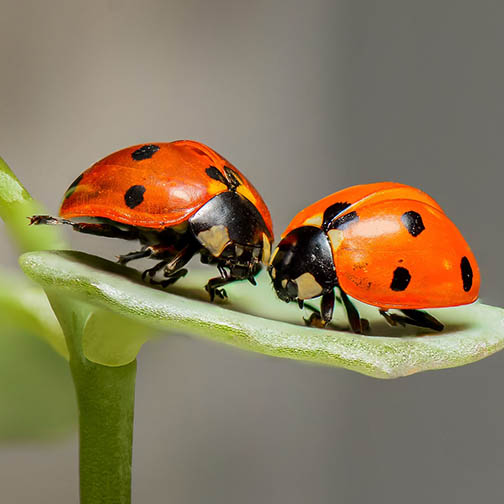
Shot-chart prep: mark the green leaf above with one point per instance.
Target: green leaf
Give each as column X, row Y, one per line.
column 254, row 319
column 16, row 206
column 27, row 309
column 36, row 392
column 37, row 399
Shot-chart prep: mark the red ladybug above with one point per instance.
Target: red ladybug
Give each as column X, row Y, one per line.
column 177, row 199
column 388, row 245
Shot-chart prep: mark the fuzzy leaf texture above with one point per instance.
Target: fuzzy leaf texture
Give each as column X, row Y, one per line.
column 254, row 319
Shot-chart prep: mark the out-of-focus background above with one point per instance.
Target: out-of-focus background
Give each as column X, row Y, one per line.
column 305, row 98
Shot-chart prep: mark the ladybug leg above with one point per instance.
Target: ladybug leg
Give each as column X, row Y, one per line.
column 393, row 319
column 320, row 318
column 124, row 259
column 212, row 287
column 99, row 229
column 423, row 319
column 171, row 279
column 357, row 324
column 172, row 265
column 152, row 271
column 327, row 306
column 413, row 317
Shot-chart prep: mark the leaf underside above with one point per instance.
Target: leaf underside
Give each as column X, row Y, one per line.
column 36, row 392
column 254, row 319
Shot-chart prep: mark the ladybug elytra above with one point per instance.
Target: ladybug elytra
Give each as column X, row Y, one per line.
column 177, row 199
column 386, row 244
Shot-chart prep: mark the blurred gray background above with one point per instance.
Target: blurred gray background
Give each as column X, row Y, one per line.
column 306, row 98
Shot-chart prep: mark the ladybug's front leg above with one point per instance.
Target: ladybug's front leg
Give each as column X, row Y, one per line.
column 324, row 316
column 212, row 287
column 98, row 229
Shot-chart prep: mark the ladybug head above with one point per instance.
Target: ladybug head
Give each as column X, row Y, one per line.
column 302, row 265
column 233, row 231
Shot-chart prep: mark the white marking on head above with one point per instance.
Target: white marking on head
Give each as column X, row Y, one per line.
column 335, row 237
column 307, row 286
column 316, row 220
column 266, row 250
column 215, row 239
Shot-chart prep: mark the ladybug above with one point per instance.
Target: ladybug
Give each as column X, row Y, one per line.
column 177, row 199
column 386, row 244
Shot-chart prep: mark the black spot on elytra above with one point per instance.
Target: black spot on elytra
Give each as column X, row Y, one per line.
column 413, row 222
column 343, row 222
column 331, row 212
column 401, row 279
column 233, row 180
column 215, row 174
column 134, row 196
column 73, row 185
column 144, row 152
column 467, row 273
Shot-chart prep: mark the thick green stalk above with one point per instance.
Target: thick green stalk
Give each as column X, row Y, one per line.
column 105, row 397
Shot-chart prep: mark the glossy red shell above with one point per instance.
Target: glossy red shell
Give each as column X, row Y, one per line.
column 174, row 178
column 372, row 246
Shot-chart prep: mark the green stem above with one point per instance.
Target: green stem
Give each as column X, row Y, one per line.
column 105, row 397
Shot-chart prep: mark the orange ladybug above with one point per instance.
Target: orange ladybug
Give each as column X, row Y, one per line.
column 386, row 244
column 177, row 199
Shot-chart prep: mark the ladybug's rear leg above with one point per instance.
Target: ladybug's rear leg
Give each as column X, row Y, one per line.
column 413, row 317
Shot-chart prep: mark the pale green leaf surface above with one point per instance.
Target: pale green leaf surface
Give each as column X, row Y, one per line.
column 27, row 309
column 37, row 399
column 254, row 319
column 36, row 392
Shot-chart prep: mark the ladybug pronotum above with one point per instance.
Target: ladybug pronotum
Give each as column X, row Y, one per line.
column 177, row 199
column 388, row 245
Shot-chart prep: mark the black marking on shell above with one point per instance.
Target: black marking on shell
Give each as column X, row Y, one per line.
column 73, row 185
column 331, row 212
column 343, row 222
column 134, row 196
column 413, row 222
column 401, row 279
column 467, row 273
column 144, row 152
column 233, row 180
column 215, row 174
